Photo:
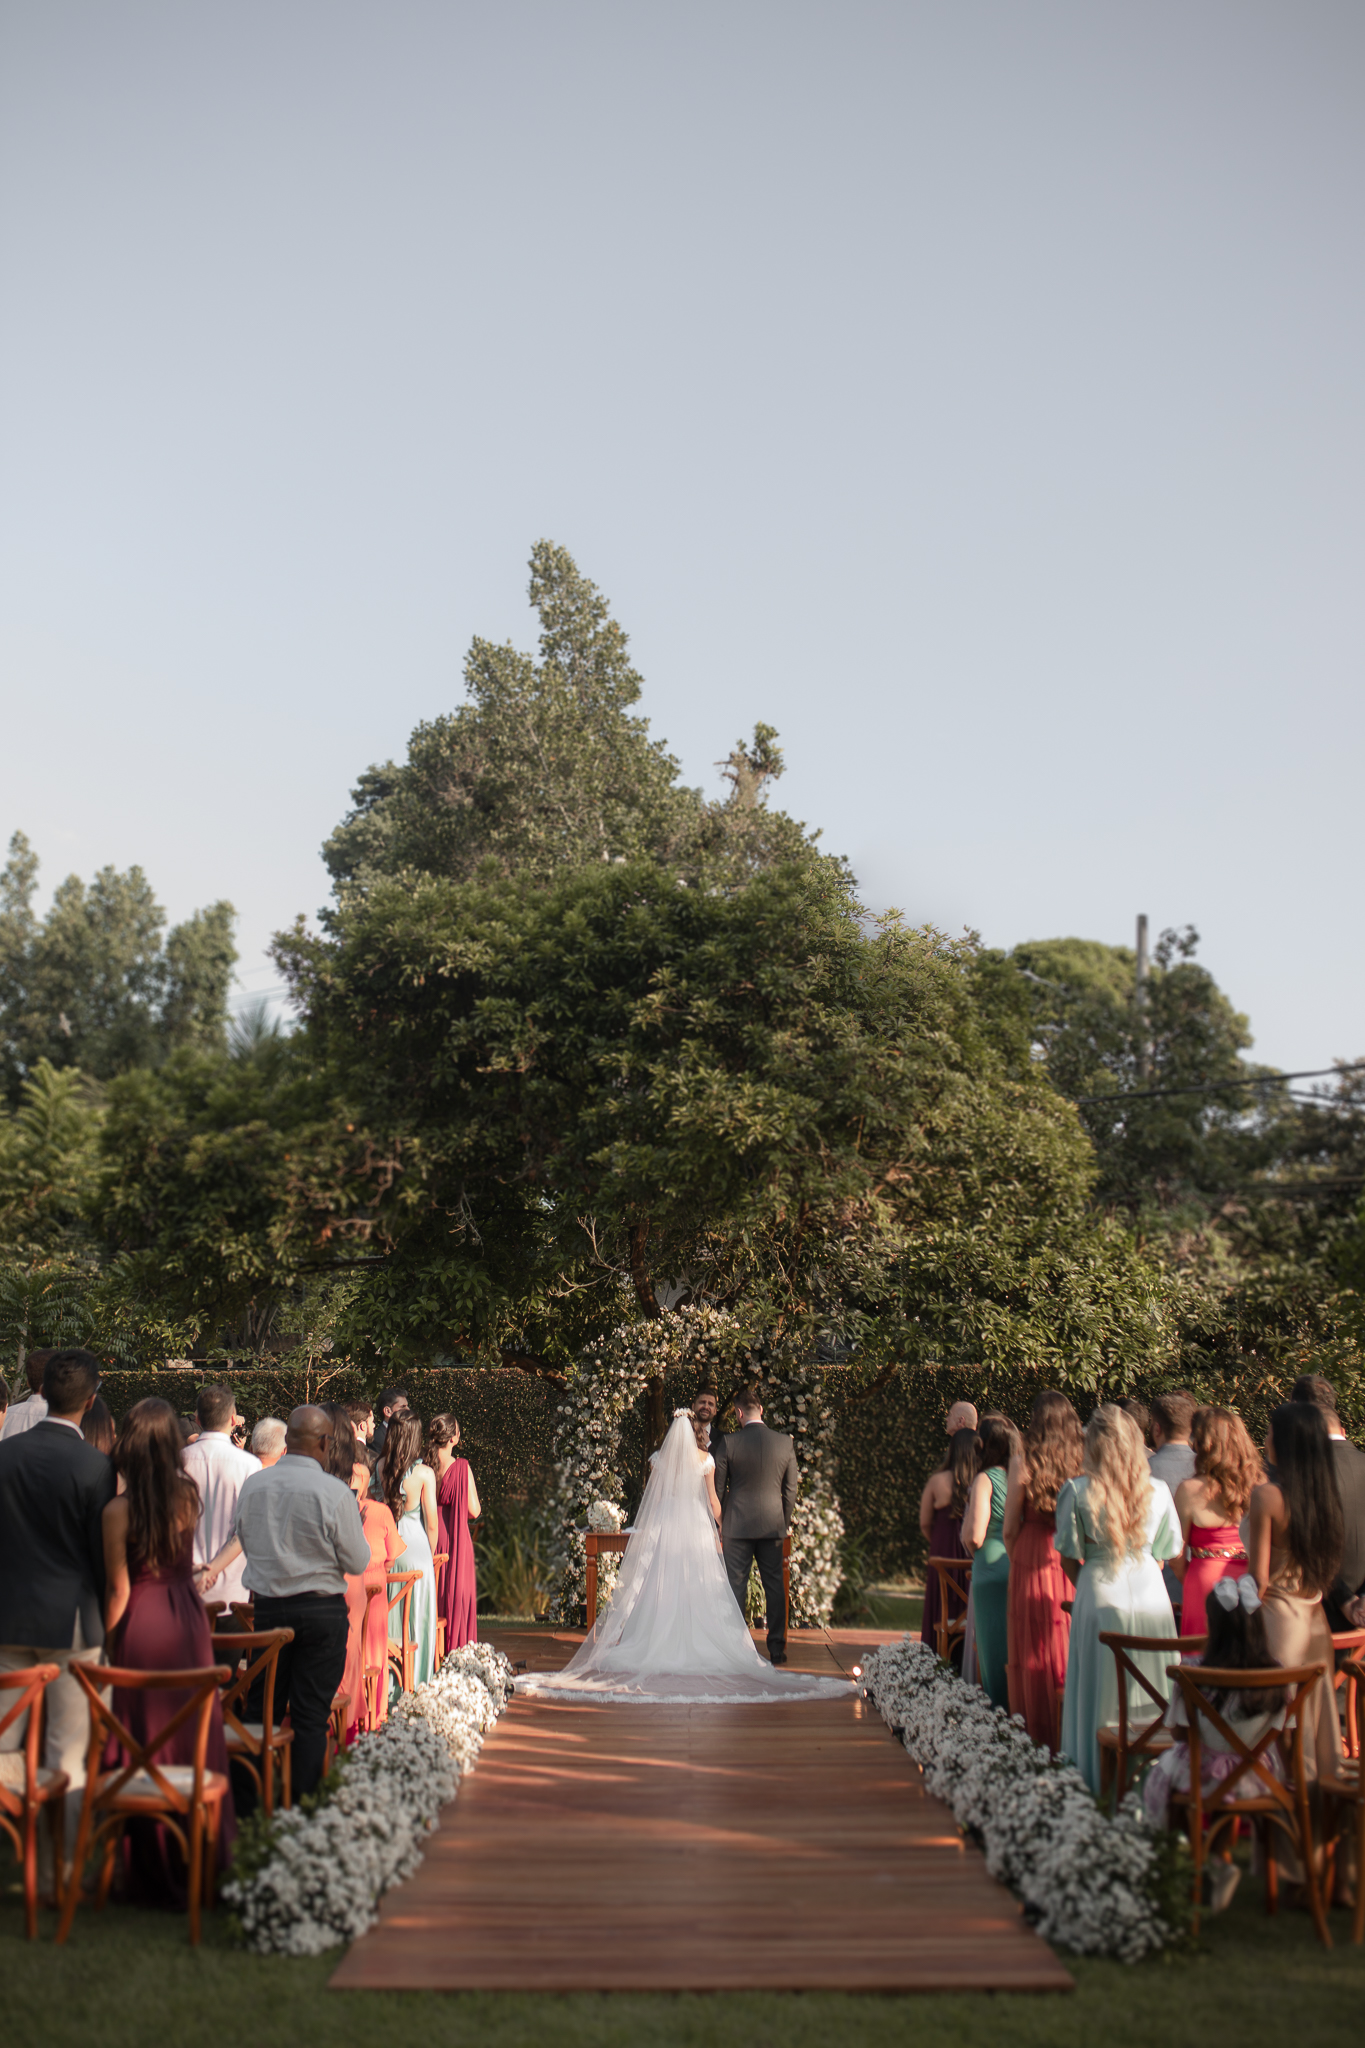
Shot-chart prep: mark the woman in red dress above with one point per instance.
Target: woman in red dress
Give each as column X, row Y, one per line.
column 367, row 1638
column 457, row 1505
column 1039, row 1632
column 1211, row 1507
column 154, row 1620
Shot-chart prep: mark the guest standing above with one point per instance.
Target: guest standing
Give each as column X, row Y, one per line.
column 300, row 1531
column 24, row 1415
column 457, row 1505
column 1211, row 1505
column 267, row 1441
column 1171, row 1459
column 386, row 1547
column 942, row 1506
column 98, row 1427
column 1296, row 1542
column 1341, row 1602
column 1116, row 1526
column 1039, row 1631
column 156, row 1621
column 410, row 1495
column 219, row 1470
column 54, row 1487
column 982, row 1538
column 393, row 1401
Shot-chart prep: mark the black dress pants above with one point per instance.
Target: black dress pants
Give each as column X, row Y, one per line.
column 309, row 1671
column 766, row 1551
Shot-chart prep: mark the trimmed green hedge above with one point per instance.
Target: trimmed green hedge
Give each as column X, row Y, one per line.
column 887, row 1443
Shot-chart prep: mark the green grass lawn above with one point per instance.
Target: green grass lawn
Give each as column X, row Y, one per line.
column 130, row 1978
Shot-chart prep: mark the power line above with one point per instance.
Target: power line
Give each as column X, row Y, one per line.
column 1221, row 1087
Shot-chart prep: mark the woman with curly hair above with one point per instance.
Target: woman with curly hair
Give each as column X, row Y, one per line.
column 1039, row 1632
column 1115, row 1526
column 1211, row 1506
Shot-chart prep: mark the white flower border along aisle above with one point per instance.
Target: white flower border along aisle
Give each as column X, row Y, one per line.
column 590, row 1489
column 1091, row 1884
column 312, row 1877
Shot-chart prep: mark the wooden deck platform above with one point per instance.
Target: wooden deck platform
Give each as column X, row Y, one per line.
column 629, row 1847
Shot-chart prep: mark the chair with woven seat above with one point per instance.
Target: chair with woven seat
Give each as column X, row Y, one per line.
column 260, row 1747
column 403, row 1649
column 26, row 1788
column 186, row 1798
column 1277, row 1802
column 1135, row 1739
column 954, row 1575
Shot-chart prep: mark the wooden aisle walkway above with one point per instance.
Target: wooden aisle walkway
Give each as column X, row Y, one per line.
column 625, row 1847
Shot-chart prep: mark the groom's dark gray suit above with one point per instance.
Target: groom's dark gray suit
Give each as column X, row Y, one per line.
column 756, row 1482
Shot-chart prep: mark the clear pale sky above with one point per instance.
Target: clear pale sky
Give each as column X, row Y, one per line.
column 974, row 392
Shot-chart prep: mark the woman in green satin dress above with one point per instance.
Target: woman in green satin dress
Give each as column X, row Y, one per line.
column 982, row 1539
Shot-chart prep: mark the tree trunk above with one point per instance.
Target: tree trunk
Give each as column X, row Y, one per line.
column 639, row 1273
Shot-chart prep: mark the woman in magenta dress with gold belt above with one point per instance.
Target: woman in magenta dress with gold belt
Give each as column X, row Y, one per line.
column 155, row 1621
column 1211, row 1507
column 457, row 1505
column 1039, row 1631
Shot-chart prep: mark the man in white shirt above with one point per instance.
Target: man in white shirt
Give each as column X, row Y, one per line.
column 301, row 1533
column 220, row 1470
column 21, row 1415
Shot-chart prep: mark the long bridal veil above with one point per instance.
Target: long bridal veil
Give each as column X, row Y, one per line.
column 673, row 1630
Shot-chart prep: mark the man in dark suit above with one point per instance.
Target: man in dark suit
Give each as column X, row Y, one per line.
column 54, row 1488
column 756, row 1482
column 1340, row 1601
column 392, row 1402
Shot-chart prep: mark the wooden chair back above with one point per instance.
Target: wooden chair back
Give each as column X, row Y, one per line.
column 441, row 1560
column 254, row 1654
column 21, row 1802
column 403, row 1649
column 141, row 1786
column 954, row 1576
column 1346, row 1680
column 1139, row 1735
column 1253, row 1786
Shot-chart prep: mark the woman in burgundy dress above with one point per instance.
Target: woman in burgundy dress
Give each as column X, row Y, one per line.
column 940, row 1520
column 155, row 1621
column 1039, row 1632
column 457, row 1505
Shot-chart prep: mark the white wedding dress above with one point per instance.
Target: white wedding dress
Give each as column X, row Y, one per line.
column 673, row 1631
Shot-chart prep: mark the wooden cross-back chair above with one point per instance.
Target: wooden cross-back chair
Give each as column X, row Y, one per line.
column 261, row 1748
column 403, row 1651
column 25, row 1787
column 1136, row 1738
column 186, row 1798
column 1347, row 1787
column 1253, row 1789
column 954, row 1576
column 1346, row 1679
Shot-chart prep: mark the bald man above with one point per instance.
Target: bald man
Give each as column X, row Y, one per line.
column 961, row 1415
column 300, row 1532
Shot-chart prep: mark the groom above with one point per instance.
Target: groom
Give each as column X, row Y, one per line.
column 756, row 1481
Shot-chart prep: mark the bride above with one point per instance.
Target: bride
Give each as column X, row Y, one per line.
column 673, row 1630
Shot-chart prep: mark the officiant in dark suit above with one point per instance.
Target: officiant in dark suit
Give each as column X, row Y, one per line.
column 54, row 1488
column 756, row 1482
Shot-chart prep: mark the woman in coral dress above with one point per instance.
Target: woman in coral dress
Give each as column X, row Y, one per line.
column 457, row 1505
column 155, row 1621
column 1211, row 1507
column 367, row 1647
column 1039, row 1631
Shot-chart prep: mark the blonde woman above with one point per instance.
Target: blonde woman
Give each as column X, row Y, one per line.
column 1116, row 1526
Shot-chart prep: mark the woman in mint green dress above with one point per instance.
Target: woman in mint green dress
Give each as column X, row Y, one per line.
column 1116, row 1525
column 982, row 1539
column 410, row 1493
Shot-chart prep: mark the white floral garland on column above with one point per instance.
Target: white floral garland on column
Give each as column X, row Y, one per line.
column 587, row 1443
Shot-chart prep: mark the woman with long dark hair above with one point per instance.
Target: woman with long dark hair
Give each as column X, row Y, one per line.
column 457, row 1504
column 155, row 1621
column 1039, row 1632
column 410, row 1495
column 942, row 1506
column 983, row 1541
column 1297, row 1537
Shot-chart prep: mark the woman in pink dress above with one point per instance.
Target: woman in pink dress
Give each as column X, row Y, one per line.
column 1211, row 1507
column 1039, row 1632
column 155, row 1620
column 457, row 1505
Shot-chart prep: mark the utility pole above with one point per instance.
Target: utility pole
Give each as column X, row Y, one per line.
column 1140, row 997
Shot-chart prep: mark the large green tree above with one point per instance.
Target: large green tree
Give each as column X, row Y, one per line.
column 94, row 984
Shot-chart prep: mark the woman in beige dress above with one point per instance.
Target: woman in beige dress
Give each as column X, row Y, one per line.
column 1296, row 1540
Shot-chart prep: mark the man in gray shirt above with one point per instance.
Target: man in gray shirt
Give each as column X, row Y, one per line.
column 1172, row 1459
column 301, row 1534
